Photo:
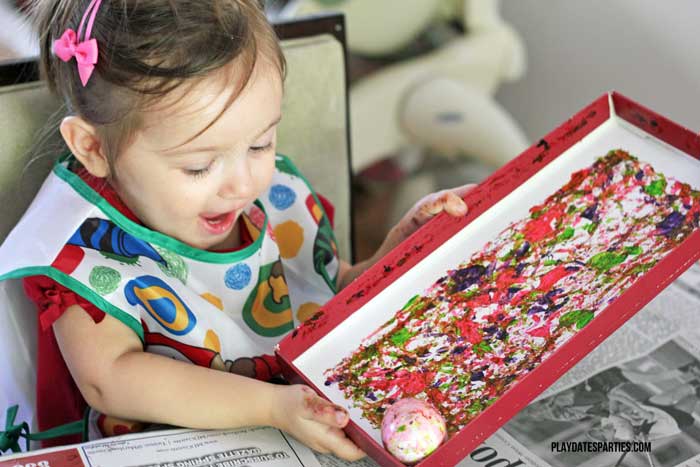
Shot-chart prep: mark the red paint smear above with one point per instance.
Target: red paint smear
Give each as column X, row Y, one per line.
column 469, row 330
column 540, row 228
column 542, row 331
column 412, row 383
column 479, row 301
column 508, row 278
column 552, row 277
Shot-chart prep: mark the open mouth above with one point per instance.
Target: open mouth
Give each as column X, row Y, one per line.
column 217, row 223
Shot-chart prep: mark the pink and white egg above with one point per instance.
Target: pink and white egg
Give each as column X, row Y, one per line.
column 412, row 429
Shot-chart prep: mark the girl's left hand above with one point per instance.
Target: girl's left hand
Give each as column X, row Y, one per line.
column 449, row 201
column 428, row 207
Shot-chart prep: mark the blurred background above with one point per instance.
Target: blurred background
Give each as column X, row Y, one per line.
column 442, row 92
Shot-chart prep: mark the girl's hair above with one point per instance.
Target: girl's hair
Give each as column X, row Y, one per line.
column 148, row 48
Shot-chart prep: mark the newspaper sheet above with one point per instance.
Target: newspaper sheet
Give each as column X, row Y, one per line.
column 251, row 447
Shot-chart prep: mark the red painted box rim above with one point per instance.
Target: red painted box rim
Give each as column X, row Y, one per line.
column 423, row 242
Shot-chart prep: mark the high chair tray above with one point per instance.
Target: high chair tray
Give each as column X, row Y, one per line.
column 480, row 314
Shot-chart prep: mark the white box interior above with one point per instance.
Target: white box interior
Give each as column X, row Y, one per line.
column 615, row 133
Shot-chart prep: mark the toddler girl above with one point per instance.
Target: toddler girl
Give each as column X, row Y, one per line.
column 170, row 232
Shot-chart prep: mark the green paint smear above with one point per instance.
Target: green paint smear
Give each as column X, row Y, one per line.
column 400, row 337
column 372, row 351
column 121, row 259
column 414, row 305
column 410, row 301
column 566, row 234
column 469, row 293
column 590, row 228
column 475, row 407
column 578, row 317
column 642, row 268
column 633, row 250
column 482, row 347
column 606, row 260
column 507, row 256
column 656, row 188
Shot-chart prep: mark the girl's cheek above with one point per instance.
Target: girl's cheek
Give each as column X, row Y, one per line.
column 266, row 172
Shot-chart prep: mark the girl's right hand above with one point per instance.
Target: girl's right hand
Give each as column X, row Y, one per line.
column 314, row 421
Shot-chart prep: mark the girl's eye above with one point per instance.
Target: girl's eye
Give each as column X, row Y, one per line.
column 261, row 148
column 197, row 173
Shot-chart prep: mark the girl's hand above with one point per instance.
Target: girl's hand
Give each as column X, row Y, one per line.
column 449, row 201
column 428, row 207
column 314, row 421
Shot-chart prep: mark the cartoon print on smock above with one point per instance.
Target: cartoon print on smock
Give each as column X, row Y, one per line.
column 324, row 251
column 177, row 299
column 268, row 310
column 106, row 237
column 160, row 301
column 325, row 248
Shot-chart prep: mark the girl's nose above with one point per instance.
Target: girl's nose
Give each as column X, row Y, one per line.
column 239, row 182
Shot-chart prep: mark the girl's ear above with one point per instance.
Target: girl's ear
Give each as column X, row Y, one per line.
column 84, row 142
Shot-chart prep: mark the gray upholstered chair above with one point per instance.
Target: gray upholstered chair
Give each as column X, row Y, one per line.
column 313, row 132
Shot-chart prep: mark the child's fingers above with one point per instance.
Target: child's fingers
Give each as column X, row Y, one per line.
column 447, row 200
column 430, row 207
column 455, row 205
column 343, row 447
column 322, row 411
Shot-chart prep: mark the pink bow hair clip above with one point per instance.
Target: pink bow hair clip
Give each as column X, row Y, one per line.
column 85, row 51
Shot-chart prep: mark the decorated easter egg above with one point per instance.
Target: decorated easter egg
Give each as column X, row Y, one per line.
column 412, row 429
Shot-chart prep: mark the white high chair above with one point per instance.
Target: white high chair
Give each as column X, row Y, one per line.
column 440, row 100
column 313, row 132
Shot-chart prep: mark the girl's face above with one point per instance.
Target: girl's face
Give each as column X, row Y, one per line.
column 195, row 190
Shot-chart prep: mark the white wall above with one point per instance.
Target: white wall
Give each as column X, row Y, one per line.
column 648, row 50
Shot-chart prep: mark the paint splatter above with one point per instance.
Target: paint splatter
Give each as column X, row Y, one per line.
column 290, row 238
column 465, row 339
column 282, row 197
column 174, row 265
column 238, row 276
column 213, row 299
column 104, row 280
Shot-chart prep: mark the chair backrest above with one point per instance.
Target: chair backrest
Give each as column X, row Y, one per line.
column 313, row 133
